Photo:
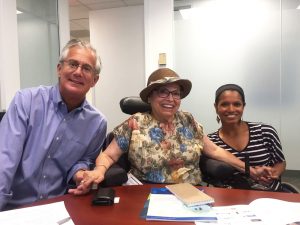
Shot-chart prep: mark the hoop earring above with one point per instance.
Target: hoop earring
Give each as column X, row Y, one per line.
column 218, row 119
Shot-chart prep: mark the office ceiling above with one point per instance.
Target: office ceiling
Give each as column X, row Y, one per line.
column 79, row 13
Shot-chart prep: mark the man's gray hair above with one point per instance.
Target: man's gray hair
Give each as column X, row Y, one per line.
column 78, row 43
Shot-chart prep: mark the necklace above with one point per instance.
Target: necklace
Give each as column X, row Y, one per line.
column 168, row 128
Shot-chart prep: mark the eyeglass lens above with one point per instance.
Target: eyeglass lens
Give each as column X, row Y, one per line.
column 164, row 93
column 73, row 65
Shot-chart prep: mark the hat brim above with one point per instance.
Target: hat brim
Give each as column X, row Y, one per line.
column 185, row 85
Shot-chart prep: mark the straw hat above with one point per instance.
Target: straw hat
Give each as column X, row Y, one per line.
column 164, row 76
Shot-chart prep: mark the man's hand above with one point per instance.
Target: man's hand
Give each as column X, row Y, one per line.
column 95, row 176
column 85, row 180
column 80, row 187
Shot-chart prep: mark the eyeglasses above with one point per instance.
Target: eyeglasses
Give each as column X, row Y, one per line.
column 164, row 93
column 85, row 68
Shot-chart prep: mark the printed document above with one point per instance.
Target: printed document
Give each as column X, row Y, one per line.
column 262, row 211
column 50, row 214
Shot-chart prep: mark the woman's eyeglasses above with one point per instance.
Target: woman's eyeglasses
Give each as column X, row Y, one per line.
column 164, row 93
column 85, row 68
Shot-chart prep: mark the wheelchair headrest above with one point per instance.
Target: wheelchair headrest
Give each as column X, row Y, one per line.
column 134, row 104
column 1, row 115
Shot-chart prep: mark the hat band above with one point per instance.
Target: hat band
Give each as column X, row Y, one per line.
column 165, row 80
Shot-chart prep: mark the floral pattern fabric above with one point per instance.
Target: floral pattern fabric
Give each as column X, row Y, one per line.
column 162, row 153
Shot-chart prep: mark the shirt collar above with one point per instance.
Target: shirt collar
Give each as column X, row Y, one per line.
column 58, row 101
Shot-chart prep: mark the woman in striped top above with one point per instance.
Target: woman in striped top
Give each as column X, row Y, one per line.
column 256, row 141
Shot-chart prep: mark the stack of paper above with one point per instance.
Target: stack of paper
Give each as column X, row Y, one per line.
column 163, row 205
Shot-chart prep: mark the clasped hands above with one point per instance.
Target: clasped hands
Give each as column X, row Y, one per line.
column 85, row 179
column 263, row 174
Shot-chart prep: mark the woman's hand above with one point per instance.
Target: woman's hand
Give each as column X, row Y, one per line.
column 94, row 177
column 260, row 172
column 264, row 175
column 268, row 178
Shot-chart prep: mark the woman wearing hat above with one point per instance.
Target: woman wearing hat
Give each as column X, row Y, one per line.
column 165, row 144
column 256, row 141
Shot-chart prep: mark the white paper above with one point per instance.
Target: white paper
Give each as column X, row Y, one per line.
column 236, row 215
column 168, row 207
column 262, row 211
column 48, row 214
column 275, row 211
column 132, row 180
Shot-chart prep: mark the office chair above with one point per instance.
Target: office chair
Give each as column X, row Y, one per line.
column 1, row 115
column 129, row 105
column 132, row 105
column 221, row 174
column 117, row 174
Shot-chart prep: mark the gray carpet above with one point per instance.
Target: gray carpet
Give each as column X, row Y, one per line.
column 292, row 177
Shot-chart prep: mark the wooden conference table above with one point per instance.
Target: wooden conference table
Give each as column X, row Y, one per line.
column 132, row 199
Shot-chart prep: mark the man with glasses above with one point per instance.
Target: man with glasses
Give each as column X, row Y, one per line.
column 50, row 134
column 164, row 145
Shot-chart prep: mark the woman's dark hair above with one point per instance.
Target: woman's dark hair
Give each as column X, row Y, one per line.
column 232, row 87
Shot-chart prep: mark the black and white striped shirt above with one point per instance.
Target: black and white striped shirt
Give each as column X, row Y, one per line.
column 263, row 148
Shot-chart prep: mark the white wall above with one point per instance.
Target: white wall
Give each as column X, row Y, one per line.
column 158, row 33
column 64, row 23
column 9, row 48
column 38, row 51
column 9, row 57
column 226, row 44
column 38, row 38
column 290, row 82
column 118, row 36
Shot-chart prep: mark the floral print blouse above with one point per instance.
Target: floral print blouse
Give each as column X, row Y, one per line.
column 160, row 153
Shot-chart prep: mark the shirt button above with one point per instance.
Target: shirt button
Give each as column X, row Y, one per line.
column 64, row 120
column 44, row 176
column 57, row 138
column 49, row 156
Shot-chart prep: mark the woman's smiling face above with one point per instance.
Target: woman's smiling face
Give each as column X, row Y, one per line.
column 230, row 107
column 165, row 101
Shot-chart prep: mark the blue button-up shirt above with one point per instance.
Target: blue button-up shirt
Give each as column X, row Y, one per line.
column 42, row 145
